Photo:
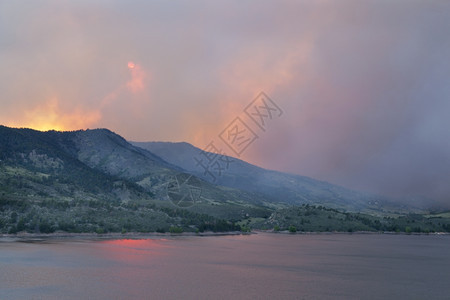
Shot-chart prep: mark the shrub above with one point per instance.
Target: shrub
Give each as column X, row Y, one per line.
column 175, row 229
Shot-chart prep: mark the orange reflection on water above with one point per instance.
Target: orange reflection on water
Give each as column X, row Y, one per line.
column 134, row 250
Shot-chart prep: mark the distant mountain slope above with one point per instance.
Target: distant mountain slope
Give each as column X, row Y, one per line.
column 277, row 186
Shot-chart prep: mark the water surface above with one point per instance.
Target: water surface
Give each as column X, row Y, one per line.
column 261, row 266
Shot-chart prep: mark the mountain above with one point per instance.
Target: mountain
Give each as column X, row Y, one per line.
column 96, row 181
column 90, row 179
column 276, row 186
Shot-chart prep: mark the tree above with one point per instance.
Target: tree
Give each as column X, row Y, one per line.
column 292, row 229
column 46, row 227
column 13, row 230
column 14, row 217
column 175, row 229
column 21, row 225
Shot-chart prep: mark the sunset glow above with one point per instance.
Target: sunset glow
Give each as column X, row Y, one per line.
column 50, row 116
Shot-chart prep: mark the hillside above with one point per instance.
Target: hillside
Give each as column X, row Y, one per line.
column 276, row 186
column 310, row 218
column 95, row 180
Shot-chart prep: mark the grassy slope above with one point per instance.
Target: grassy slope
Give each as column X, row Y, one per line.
column 318, row 218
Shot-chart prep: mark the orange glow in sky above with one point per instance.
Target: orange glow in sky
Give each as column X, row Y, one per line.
column 50, row 116
column 131, row 65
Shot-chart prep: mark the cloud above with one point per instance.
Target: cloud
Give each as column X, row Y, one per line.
column 138, row 77
column 364, row 85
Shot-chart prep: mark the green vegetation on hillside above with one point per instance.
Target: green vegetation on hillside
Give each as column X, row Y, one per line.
column 99, row 216
column 310, row 218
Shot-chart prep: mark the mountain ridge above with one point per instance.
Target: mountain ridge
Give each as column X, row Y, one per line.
column 84, row 169
column 277, row 186
column 96, row 181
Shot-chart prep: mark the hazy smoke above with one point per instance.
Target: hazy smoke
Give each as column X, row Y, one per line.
column 365, row 85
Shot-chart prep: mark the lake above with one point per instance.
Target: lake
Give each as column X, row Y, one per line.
column 258, row 266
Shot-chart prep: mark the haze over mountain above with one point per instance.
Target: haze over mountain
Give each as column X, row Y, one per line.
column 276, row 186
column 94, row 180
column 104, row 152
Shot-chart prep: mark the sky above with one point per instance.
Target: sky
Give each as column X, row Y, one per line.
column 362, row 87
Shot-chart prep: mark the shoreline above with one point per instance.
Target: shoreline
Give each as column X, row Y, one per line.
column 41, row 237
column 349, row 233
column 25, row 236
